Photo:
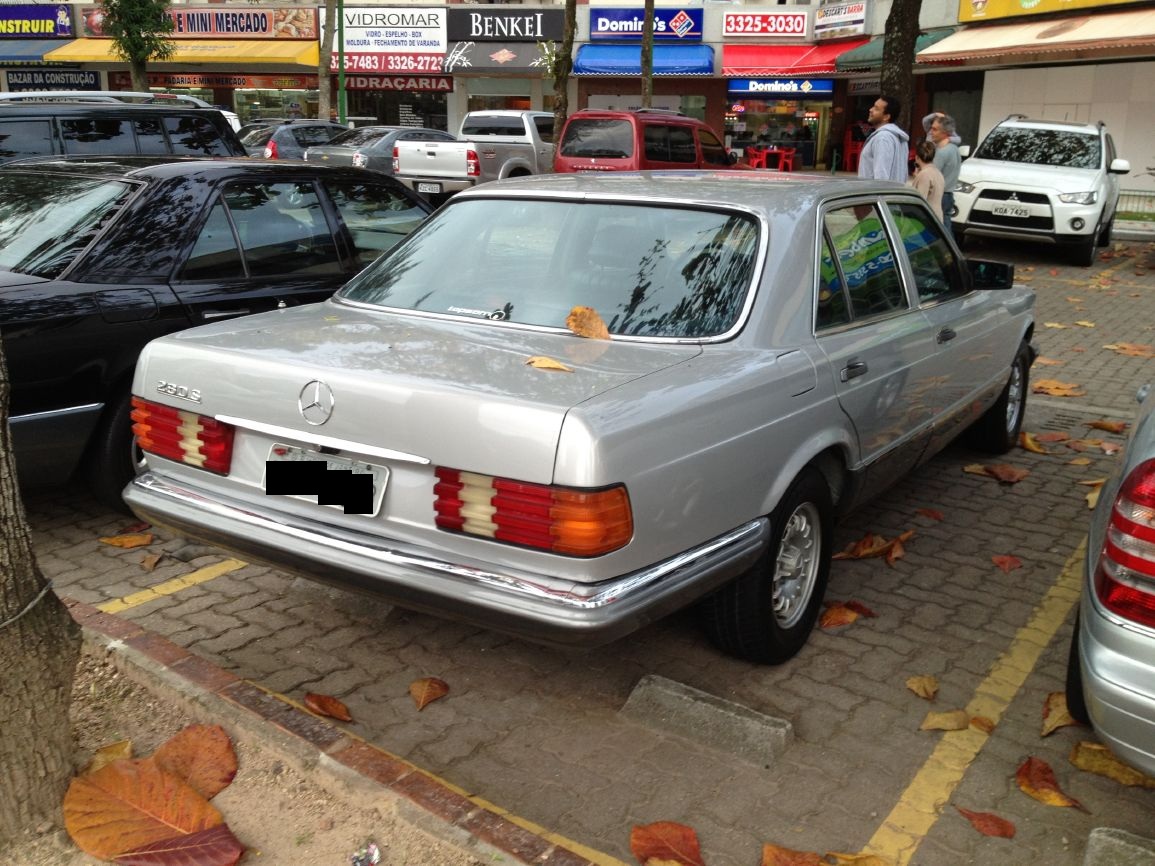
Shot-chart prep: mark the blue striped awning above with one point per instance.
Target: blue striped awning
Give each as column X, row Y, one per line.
column 29, row 50
column 694, row 59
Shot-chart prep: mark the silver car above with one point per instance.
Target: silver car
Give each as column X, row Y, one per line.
column 370, row 146
column 571, row 404
column 1111, row 669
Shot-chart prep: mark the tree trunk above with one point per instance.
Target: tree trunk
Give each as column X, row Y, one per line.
column 139, row 81
column 898, row 56
column 38, row 653
column 324, row 86
column 562, row 66
column 648, row 56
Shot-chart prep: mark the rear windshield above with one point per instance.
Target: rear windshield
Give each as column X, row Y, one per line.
column 492, row 125
column 258, row 137
column 357, row 137
column 598, row 139
column 648, row 271
column 1042, row 147
column 45, row 222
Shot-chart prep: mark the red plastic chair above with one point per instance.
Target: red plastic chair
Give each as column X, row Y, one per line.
column 786, row 158
column 756, row 157
column 850, row 157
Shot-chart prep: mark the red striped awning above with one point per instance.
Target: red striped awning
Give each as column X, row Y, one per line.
column 794, row 61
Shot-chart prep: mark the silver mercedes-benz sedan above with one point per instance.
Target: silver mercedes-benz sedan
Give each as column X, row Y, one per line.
column 569, row 405
column 1111, row 669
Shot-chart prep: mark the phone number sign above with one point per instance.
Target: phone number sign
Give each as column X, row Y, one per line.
column 779, row 24
column 363, row 62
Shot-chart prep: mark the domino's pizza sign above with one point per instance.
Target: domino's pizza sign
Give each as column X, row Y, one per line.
column 609, row 24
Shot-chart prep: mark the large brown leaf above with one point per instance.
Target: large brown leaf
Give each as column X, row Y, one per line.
column 585, row 322
column 201, row 755
column 130, row 804
column 1055, row 713
column 1036, row 779
column 952, row 720
column 925, row 686
column 128, row 541
column 1097, row 758
column 775, row 855
column 427, row 690
column 1109, row 426
column 327, row 705
column 988, row 823
column 216, row 846
column 665, row 842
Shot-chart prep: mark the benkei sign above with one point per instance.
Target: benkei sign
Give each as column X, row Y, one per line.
column 626, row 25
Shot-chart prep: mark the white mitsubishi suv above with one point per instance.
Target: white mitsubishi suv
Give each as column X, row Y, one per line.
column 1044, row 180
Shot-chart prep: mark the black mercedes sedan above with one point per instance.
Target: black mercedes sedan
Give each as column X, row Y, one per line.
column 99, row 255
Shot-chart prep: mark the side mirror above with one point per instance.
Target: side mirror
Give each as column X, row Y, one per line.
column 1119, row 166
column 986, row 274
column 964, row 150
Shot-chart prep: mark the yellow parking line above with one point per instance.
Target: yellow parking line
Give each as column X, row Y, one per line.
column 201, row 575
column 903, row 830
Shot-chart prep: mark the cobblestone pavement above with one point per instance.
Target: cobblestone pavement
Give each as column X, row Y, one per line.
column 539, row 732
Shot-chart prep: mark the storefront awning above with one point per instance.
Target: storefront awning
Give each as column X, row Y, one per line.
column 234, row 52
column 796, row 61
column 627, row 60
column 869, row 56
column 28, row 50
column 1082, row 37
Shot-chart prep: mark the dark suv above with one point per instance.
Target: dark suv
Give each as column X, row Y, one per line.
column 594, row 140
column 106, row 128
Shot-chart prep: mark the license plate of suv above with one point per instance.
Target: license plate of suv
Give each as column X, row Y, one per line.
column 429, row 187
column 1011, row 211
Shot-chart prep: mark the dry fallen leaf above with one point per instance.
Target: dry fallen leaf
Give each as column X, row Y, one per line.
column 1135, row 350
column 1055, row 325
column 1055, row 714
column 427, row 690
column 139, row 526
column 665, row 842
column 150, row 561
column 925, row 686
column 1097, row 758
column 326, row 705
column 1053, row 436
column 931, row 513
column 982, row 723
column 1080, row 461
column 952, row 720
column 1055, row 388
column 105, row 755
column 1096, row 485
column 1036, row 779
column 541, row 362
column 1074, row 300
column 871, row 545
column 775, row 855
column 837, row 614
column 1029, row 443
column 1085, row 324
column 1048, row 362
column 988, row 823
column 1109, row 426
column 127, row 542
column 1006, row 473
column 1111, row 447
column 1007, row 562
column 856, row 859
column 585, row 322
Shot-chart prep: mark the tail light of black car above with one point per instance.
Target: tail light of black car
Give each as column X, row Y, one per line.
column 562, row 520
column 1125, row 576
column 186, row 437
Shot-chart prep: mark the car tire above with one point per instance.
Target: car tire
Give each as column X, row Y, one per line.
column 113, row 458
column 997, row 430
column 766, row 614
column 1086, row 251
column 960, row 237
column 1104, row 239
column 1076, row 699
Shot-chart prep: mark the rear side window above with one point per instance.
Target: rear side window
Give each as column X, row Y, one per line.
column 215, row 256
column 596, row 138
column 25, row 138
column 195, row 136
column 97, row 135
column 150, row 136
column 282, row 228
column 307, row 136
column 544, row 127
column 377, row 217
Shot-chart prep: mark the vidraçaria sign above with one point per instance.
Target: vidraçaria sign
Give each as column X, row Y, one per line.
column 27, row 21
column 393, row 39
column 608, row 24
column 795, row 88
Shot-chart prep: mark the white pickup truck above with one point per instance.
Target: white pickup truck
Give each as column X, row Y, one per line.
column 491, row 145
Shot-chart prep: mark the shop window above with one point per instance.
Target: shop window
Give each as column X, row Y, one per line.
column 282, row 229
column 195, row 136
column 215, row 256
column 97, row 135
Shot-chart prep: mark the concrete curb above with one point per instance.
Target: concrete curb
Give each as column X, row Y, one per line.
column 1110, row 847
column 335, row 758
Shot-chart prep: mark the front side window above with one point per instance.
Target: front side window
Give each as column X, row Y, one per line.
column 1042, row 147
column 598, row 139
column 100, row 135
column 195, row 136
column 713, row 151
column 648, row 271
column 866, row 260
column 45, row 222
column 936, row 270
column 833, row 308
column 282, row 228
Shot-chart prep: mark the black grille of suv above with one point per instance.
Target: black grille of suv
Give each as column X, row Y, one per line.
column 1036, row 223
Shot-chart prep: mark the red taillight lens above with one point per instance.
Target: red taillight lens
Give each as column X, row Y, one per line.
column 271, row 150
column 558, row 519
column 396, row 160
column 183, row 436
column 472, row 164
column 1125, row 578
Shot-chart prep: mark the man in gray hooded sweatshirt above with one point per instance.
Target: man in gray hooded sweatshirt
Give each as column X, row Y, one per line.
column 884, row 156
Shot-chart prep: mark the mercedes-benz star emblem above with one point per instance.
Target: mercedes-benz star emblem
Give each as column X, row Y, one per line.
column 316, row 402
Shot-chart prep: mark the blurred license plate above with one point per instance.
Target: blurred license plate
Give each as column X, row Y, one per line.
column 1007, row 210
column 329, row 478
column 429, row 187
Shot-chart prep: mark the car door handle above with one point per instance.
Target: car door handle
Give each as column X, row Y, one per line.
column 946, row 335
column 853, row 370
column 208, row 315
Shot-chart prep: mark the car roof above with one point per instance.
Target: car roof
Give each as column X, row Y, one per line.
column 163, row 167
column 768, row 193
column 659, row 115
column 17, row 106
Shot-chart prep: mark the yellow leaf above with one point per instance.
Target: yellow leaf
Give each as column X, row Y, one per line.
column 1055, row 713
column 1028, row 443
column 1092, row 499
column 585, row 322
column 857, row 859
column 1055, row 325
column 1048, row 362
column 1083, row 323
column 983, row 724
column 953, row 720
column 541, row 362
column 1080, row 461
column 127, row 542
column 1097, row 758
column 925, row 686
column 976, row 469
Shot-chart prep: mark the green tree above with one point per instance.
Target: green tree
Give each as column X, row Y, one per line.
column 139, row 31
column 39, row 646
column 898, row 56
column 560, row 67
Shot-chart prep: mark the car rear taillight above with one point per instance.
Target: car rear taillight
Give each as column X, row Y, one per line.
column 472, row 164
column 1125, row 577
column 271, row 150
column 183, row 436
column 360, row 160
column 396, row 160
column 557, row 519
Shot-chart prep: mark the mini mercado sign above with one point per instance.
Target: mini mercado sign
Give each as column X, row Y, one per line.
column 28, row 21
column 626, row 25
column 271, row 81
column 218, row 22
column 790, row 87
